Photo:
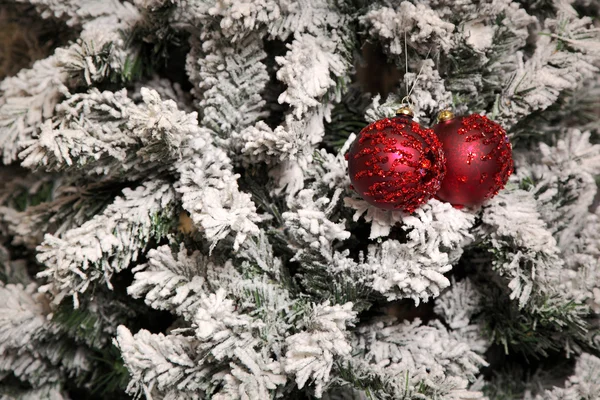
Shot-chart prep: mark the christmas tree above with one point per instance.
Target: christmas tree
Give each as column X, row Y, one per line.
column 177, row 220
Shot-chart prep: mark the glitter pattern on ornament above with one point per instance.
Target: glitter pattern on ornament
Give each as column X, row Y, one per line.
column 396, row 164
column 478, row 159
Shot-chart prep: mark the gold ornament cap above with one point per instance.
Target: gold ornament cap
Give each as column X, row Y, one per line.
column 445, row 115
column 406, row 111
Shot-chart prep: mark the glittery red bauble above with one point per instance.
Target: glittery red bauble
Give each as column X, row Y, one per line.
column 478, row 159
column 396, row 164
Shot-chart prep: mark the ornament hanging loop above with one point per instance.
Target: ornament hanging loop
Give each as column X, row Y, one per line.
column 445, row 115
column 405, row 110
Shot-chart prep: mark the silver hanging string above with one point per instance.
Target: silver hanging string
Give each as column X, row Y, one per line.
column 418, row 76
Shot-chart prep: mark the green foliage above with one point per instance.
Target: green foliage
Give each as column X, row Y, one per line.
column 373, row 385
column 134, row 68
column 254, row 180
column 347, row 117
column 464, row 79
column 112, row 376
column 506, row 384
column 575, row 109
column 41, row 194
column 549, row 325
column 154, row 40
column 80, row 324
column 339, row 287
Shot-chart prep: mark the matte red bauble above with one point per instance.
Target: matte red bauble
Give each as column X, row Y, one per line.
column 395, row 163
column 478, row 158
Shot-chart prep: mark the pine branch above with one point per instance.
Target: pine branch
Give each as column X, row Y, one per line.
column 105, row 133
column 107, row 243
column 30, row 97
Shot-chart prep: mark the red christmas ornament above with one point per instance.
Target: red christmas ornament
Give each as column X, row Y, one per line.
column 478, row 158
column 395, row 163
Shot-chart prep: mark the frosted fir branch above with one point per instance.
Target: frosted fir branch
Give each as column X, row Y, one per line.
column 387, row 109
column 28, row 346
column 48, row 392
column 310, row 225
column 253, row 279
column 278, row 19
column 494, row 30
column 258, row 252
column 424, row 349
column 438, row 225
column 227, row 334
column 434, row 225
column 210, row 193
column 26, row 228
column 230, row 99
column 458, row 306
column 424, row 29
column 427, row 98
column 29, row 98
column 102, row 49
column 526, row 252
column 578, row 33
column 565, row 183
column 19, row 192
column 310, row 69
column 429, row 94
column 381, row 220
column 257, row 378
column 436, row 235
column 163, row 366
column 221, row 329
column 67, row 207
column 172, row 366
column 554, row 71
column 374, row 380
column 565, row 187
column 289, row 177
column 192, row 286
column 166, row 89
column 553, row 68
column 581, row 385
column 425, row 104
column 398, row 272
column 331, row 169
column 77, row 12
column 94, row 323
column 487, row 38
column 291, row 171
column 581, row 278
column 292, row 140
column 262, row 142
column 23, row 316
column 107, row 243
column 177, row 281
column 574, row 109
column 574, row 150
column 173, row 281
column 106, row 133
column 79, row 135
column 27, row 367
column 311, row 354
column 412, row 358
